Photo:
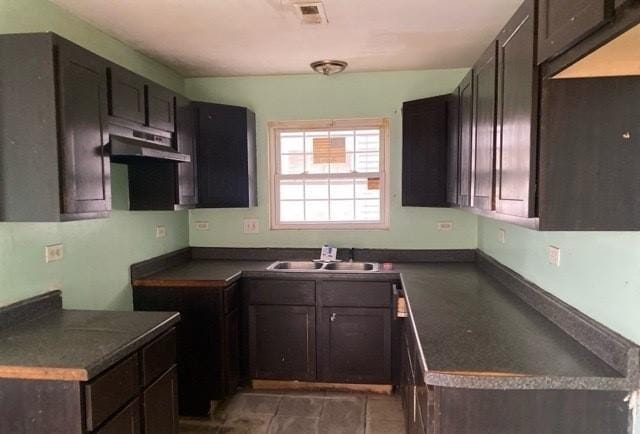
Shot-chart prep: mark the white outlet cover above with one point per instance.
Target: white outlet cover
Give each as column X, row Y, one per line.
column 554, row 255
column 502, row 236
column 445, row 226
column 201, row 225
column 251, row 226
column 53, row 253
column 161, row 231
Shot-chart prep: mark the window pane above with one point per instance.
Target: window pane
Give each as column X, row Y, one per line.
column 342, row 210
column 292, row 164
column 308, row 139
column 316, row 189
column 368, row 162
column 368, row 141
column 342, row 189
column 291, row 189
column 316, row 168
column 346, row 166
column 368, row 210
column 292, row 145
column 291, row 211
column 317, row 211
column 348, row 138
column 368, row 188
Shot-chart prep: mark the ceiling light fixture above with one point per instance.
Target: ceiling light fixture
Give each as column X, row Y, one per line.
column 329, row 67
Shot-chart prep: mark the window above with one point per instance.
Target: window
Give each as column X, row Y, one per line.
column 328, row 174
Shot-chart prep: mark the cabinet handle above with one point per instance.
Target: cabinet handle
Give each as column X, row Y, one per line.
column 333, row 317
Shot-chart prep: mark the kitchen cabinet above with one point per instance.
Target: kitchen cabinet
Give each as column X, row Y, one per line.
column 208, row 361
column 117, row 400
column 167, row 185
column 589, row 154
column 453, row 147
column 226, row 156
column 160, row 107
column 53, row 161
column 518, row 85
column 355, row 345
column 466, row 139
column 485, row 75
column 424, row 152
column 562, row 23
column 126, row 95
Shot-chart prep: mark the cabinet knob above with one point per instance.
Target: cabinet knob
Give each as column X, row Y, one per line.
column 333, row 317
column 626, row 135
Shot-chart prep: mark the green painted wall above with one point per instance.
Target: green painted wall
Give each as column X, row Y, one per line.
column 23, row 16
column 599, row 272
column 94, row 272
column 295, row 97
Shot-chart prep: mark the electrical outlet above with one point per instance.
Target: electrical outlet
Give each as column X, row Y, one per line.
column 445, row 226
column 251, row 226
column 161, row 231
column 554, row 256
column 502, row 236
column 201, row 225
column 54, row 252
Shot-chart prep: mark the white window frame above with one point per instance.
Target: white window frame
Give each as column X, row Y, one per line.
column 275, row 127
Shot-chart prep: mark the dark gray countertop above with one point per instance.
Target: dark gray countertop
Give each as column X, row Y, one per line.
column 472, row 330
column 76, row 344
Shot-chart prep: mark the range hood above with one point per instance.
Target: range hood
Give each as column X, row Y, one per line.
column 129, row 149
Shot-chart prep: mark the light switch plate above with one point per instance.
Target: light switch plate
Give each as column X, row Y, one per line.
column 161, row 231
column 53, row 253
column 554, row 255
column 502, row 236
column 446, row 226
column 201, row 225
column 251, row 226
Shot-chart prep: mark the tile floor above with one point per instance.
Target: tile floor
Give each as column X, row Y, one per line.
column 301, row 413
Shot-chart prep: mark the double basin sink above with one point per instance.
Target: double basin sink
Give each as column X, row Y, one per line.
column 337, row 267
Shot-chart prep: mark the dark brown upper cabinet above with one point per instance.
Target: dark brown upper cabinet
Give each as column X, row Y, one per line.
column 187, row 185
column 424, row 152
column 484, row 130
column 562, row 23
column 517, row 115
column 226, row 156
column 53, row 162
column 126, row 95
column 160, row 108
column 453, row 147
column 466, row 139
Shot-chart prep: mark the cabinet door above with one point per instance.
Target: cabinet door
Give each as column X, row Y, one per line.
column 127, row 421
column 160, row 405
column 466, row 139
column 231, row 351
column 355, row 345
column 185, row 143
column 282, row 342
column 517, row 112
column 85, row 177
column 484, row 132
column 424, row 152
column 562, row 23
column 160, row 108
column 126, row 95
column 453, row 147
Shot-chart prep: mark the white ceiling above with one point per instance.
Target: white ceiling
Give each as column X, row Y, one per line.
column 254, row 37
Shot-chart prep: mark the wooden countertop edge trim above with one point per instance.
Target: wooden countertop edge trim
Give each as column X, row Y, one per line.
column 43, row 373
column 182, row 283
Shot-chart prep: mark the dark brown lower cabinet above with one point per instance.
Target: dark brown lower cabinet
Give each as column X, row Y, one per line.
column 207, row 340
column 160, row 413
column 282, row 342
column 355, row 345
column 136, row 395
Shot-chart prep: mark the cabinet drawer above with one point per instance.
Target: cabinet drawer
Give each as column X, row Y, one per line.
column 110, row 391
column 231, row 298
column 355, row 294
column 282, row 292
column 158, row 356
column 127, row 421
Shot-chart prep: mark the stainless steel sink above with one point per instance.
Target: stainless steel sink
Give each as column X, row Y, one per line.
column 335, row 267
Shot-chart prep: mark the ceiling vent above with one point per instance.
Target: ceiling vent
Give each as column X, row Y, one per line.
column 311, row 12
